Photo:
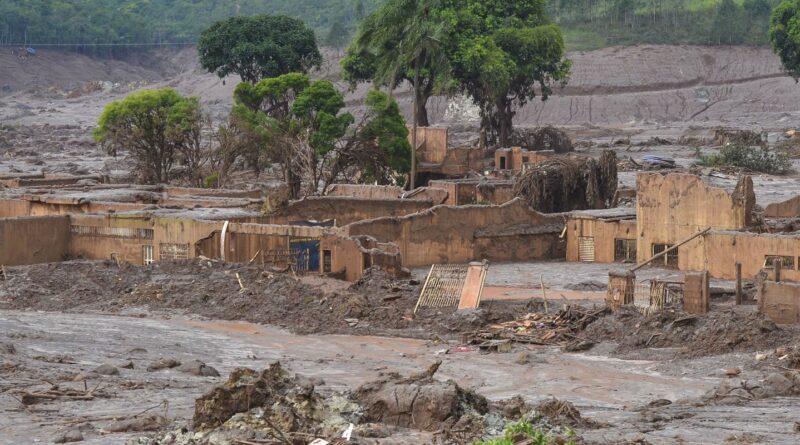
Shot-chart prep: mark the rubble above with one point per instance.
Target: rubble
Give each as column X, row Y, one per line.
column 570, row 183
column 557, row 329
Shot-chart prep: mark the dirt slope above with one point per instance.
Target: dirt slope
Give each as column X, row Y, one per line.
column 622, row 87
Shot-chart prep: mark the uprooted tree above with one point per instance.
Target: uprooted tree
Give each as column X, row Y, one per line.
column 159, row 128
column 258, row 47
column 300, row 125
column 566, row 183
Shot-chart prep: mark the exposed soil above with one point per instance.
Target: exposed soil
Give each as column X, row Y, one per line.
column 377, row 304
column 720, row 331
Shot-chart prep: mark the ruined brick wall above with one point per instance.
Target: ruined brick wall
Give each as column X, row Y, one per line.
column 365, row 191
column 722, row 250
column 445, row 234
column 780, row 301
column 124, row 237
column 785, row 209
column 673, row 207
column 345, row 209
column 30, row 240
column 432, row 142
column 13, row 208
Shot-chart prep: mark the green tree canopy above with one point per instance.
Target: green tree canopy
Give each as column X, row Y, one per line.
column 301, row 125
column 784, row 35
column 154, row 126
column 258, row 47
column 399, row 40
column 502, row 55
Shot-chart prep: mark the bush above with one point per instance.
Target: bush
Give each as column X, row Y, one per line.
column 534, row 435
column 759, row 159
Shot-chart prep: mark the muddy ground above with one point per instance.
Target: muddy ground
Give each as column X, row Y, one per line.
column 666, row 378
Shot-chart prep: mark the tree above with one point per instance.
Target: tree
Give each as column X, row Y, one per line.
column 338, row 36
column 157, row 127
column 727, row 27
column 300, row 124
column 784, row 35
column 502, row 55
column 389, row 43
column 258, row 47
column 401, row 41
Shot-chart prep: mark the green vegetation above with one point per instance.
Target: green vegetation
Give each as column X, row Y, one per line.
column 587, row 24
column 300, row 125
column 401, row 41
column 145, row 21
column 160, row 128
column 533, row 435
column 257, row 47
column 753, row 158
column 503, row 54
column 784, row 34
column 592, row 24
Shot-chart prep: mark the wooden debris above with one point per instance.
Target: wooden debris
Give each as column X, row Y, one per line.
column 56, row 393
column 539, row 328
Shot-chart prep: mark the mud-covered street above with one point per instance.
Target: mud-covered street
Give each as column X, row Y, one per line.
column 50, row 347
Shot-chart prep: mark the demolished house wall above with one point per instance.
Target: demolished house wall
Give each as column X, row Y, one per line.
column 474, row 191
column 602, row 235
column 127, row 238
column 261, row 243
column 784, row 209
column 350, row 256
column 670, row 208
column 449, row 234
column 722, row 250
column 344, row 209
column 780, row 301
column 30, row 240
column 431, row 144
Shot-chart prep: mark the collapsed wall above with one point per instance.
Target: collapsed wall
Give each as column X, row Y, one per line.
column 449, row 234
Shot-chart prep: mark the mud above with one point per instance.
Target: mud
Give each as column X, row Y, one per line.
column 377, row 304
column 720, row 331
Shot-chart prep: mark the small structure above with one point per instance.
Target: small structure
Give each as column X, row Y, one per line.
column 517, row 158
column 602, row 236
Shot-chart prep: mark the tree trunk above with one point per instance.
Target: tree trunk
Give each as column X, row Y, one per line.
column 414, row 128
column 505, row 121
column 422, row 104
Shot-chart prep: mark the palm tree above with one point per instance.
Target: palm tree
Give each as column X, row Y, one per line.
column 403, row 36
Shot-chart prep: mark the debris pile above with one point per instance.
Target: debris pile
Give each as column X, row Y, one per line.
column 776, row 384
column 562, row 412
column 544, row 138
column 568, row 183
column 715, row 333
column 377, row 304
column 275, row 407
column 556, row 329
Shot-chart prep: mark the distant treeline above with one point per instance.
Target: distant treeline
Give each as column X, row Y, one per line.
column 596, row 23
column 91, row 25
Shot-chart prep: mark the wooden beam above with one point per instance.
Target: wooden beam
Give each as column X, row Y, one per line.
column 655, row 257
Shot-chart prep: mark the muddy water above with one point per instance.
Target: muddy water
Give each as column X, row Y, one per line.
column 603, row 388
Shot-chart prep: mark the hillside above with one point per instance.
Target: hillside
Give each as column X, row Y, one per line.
column 90, row 26
column 645, row 86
